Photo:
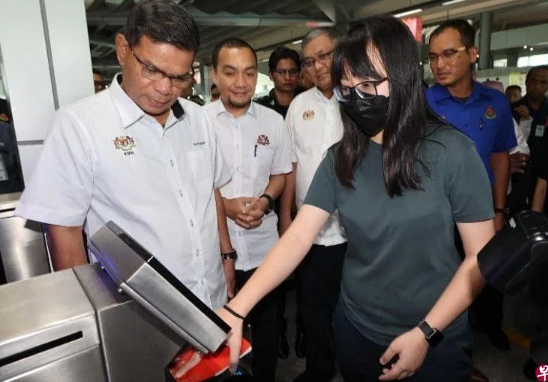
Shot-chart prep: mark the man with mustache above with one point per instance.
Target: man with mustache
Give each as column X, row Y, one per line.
column 139, row 155
column 256, row 147
column 484, row 115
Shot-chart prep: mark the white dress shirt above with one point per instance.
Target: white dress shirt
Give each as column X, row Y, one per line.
column 255, row 146
column 105, row 159
column 314, row 124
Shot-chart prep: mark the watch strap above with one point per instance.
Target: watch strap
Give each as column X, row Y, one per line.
column 433, row 336
column 230, row 255
column 270, row 202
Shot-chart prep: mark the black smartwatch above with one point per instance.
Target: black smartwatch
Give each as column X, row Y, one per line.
column 433, row 335
column 230, row 255
column 270, row 202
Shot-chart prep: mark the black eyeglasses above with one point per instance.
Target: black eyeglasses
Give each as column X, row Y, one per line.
column 321, row 58
column 364, row 90
column 152, row 73
column 284, row 72
column 447, row 54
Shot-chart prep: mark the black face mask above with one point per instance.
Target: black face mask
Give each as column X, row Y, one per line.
column 368, row 114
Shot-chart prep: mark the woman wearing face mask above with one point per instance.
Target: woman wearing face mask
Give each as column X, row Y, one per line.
column 400, row 178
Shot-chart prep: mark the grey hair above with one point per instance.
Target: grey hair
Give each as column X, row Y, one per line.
column 317, row 32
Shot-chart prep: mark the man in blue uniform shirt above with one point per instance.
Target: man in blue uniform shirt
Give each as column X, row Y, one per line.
column 484, row 115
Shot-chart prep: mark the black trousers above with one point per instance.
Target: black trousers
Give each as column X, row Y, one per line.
column 282, row 291
column 264, row 332
column 358, row 357
column 320, row 278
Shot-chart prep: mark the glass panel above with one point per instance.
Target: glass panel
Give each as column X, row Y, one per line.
column 11, row 176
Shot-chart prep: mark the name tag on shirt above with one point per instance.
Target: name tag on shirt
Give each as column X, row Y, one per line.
column 539, row 131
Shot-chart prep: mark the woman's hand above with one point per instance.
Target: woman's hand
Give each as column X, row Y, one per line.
column 411, row 348
column 234, row 341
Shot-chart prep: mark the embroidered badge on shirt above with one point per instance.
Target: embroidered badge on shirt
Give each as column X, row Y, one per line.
column 4, row 117
column 263, row 140
column 490, row 112
column 308, row 115
column 125, row 143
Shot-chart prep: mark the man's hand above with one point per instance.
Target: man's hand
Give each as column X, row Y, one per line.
column 229, row 267
column 518, row 161
column 411, row 348
column 237, row 209
column 523, row 112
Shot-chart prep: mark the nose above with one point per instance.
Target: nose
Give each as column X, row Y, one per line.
column 163, row 86
column 240, row 80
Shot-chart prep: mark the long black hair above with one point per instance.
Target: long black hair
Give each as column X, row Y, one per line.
column 408, row 115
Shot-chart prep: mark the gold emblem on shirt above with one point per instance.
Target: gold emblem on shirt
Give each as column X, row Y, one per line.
column 4, row 117
column 308, row 115
column 125, row 143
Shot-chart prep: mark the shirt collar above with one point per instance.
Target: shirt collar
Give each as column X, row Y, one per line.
column 323, row 98
column 441, row 93
column 130, row 112
column 219, row 108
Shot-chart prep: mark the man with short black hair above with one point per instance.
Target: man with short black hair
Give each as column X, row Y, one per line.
column 256, row 148
column 283, row 65
column 98, row 81
column 138, row 155
column 483, row 114
column 513, row 93
column 284, row 68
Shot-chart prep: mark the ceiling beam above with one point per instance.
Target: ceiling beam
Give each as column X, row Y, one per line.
column 225, row 19
column 333, row 10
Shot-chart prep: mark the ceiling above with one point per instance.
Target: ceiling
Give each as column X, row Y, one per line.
column 266, row 24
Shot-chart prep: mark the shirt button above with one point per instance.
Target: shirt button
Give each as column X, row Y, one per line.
column 171, row 163
column 197, row 253
column 181, row 193
column 192, row 223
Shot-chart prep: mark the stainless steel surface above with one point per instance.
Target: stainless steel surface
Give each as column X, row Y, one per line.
column 46, row 319
column 136, row 346
column 65, row 370
column 22, row 247
column 136, row 277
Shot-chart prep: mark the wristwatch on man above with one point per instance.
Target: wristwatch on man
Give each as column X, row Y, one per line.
column 433, row 335
column 230, row 255
column 270, row 202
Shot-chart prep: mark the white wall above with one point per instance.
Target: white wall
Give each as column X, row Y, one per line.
column 46, row 63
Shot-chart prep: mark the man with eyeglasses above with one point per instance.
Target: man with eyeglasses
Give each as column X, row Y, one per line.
column 484, row 115
column 283, row 65
column 314, row 123
column 138, row 155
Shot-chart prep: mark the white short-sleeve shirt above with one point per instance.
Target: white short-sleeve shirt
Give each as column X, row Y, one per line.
column 314, row 125
column 105, row 159
column 255, row 146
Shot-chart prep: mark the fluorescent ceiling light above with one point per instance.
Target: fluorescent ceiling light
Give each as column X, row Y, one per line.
column 452, row 2
column 408, row 13
column 297, row 42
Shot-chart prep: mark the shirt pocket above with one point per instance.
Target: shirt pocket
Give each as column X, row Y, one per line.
column 262, row 162
column 201, row 166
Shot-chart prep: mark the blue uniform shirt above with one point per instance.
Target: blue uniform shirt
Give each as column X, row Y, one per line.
column 485, row 117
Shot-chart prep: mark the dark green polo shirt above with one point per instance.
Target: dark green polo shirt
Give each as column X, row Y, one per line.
column 401, row 252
